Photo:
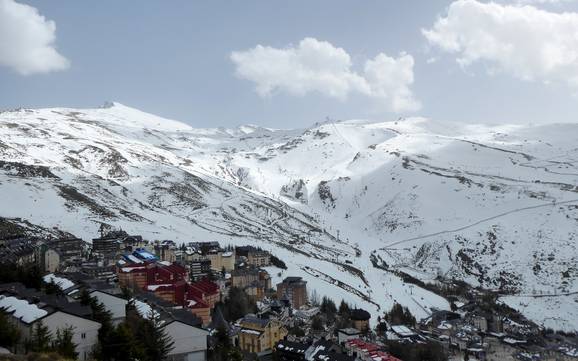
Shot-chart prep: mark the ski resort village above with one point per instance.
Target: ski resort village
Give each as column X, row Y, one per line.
column 122, row 296
column 261, row 180
column 130, row 237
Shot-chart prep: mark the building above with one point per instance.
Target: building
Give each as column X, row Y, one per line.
column 346, row 334
column 190, row 340
column 221, row 260
column 245, row 277
column 18, row 251
column 183, row 327
column 253, row 256
column 199, row 269
column 290, row 351
column 70, row 249
column 165, row 251
column 293, row 289
column 108, row 248
column 113, row 303
column 324, row 350
column 360, row 319
column 26, row 308
column 49, row 260
column 259, row 335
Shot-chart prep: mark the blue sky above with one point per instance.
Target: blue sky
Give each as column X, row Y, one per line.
column 174, row 59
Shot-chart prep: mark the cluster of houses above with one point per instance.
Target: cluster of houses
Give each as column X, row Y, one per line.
column 181, row 285
column 493, row 336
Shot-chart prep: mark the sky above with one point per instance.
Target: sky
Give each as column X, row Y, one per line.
column 291, row 64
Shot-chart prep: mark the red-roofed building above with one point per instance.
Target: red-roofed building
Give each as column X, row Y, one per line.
column 368, row 351
column 169, row 282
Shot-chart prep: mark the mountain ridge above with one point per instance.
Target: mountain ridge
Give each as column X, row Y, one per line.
column 340, row 193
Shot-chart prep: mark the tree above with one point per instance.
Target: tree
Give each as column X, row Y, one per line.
column 237, row 304
column 153, row 340
column 344, row 308
column 224, row 350
column 101, row 315
column 52, row 288
column 40, row 339
column 9, row 335
column 63, row 344
column 297, row 331
column 314, row 298
column 328, row 308
column 317, row 324
column 399, row 315
column 120, row 345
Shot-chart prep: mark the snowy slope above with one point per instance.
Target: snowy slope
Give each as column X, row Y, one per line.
column 496, row 206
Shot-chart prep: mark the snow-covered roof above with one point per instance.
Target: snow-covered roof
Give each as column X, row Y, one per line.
column 155, row 287
column 21, row 309
column 145, row 310
column 402, row 330
column 61, row 282
column 132, row 258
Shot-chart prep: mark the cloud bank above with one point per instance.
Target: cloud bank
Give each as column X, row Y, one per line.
column 526, row 42
column 27, row 40
column 318, row 66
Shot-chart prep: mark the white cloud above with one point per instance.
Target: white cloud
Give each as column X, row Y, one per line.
column 26, row 40
column 318, row 66
column 529, row 43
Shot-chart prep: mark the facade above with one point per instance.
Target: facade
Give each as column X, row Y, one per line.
column 294, row 289
column 115, row 304
column 200, row 269
column 108, row 247
column 259, row 258
column 245, row 277
column 25, row 314
column 70, row 249
column 259, row 335
column 19, row 251
column 190, row 342
column 165, row 251
column 50, row 260
column 85, row 332
column 360, row 319
column 221, row 260
column 346, row 334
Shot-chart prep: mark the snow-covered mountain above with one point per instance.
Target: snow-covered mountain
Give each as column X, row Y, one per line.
column 496, row 206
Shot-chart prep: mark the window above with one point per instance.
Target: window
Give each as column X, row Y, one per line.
column 83, row 335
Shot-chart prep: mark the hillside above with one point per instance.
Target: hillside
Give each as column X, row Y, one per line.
column 496, row 206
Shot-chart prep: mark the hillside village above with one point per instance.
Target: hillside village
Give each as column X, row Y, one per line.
column 211, row 301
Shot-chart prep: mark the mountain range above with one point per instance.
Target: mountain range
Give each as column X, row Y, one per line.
column 348, row 205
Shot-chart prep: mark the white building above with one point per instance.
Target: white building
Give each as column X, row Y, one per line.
column 115, row 304
column 190, row 342
column 25, row 315
column 346, row 334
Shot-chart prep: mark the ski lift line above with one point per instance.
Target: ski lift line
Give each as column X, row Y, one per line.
column 552, row 204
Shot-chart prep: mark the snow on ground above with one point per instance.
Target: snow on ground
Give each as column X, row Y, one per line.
column 493, row 205
column 558, row 312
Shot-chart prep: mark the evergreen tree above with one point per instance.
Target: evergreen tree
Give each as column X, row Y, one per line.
column 153, row 340
column 317, row 323
column 40, row 339
column 344, row 308
column 399, row 315
column 328, row 308
column 63, row 344
column 52, row 288
column 224, row 350
column 119, row 346
column 9, row 335
column 237, row 304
